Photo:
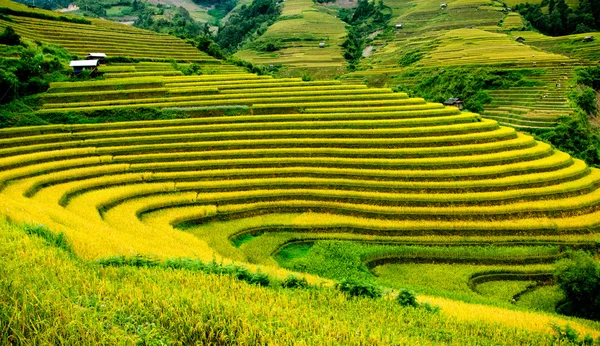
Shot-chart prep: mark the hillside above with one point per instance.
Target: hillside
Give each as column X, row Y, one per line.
column 185, row 229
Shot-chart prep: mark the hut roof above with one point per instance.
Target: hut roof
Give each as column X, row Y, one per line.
column 84, row 63
column 96, row 55
column 453, row 101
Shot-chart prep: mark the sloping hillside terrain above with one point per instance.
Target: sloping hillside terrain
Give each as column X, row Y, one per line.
column 264, row 210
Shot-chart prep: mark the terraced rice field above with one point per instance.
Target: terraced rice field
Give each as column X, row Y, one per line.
column 300, row 29
column 308, row 154
column 101, row 36
column 427, row 16
column 263, row 164
column 571, row 45
column 534, row 107
column 521, row 107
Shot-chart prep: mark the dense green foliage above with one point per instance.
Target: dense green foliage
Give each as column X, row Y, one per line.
column 47, row 4
column 360, row 288
column 219, row 8
column 248, row 21
column 560, row 19
column 468, row 84
column 586, row 99
column 181, row 25
column 28, row 69
column 23, row 118
column 9, row 37
column 579, row 278
column 407, row 298
column 575, row 136
column 589, row 76
column 363, row 20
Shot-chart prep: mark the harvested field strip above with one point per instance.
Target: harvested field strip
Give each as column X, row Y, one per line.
column 252, row 83
column 339, row 185
column 448, row 140
column 290, row 200
column 105, row 84
column 296, row 102
column 215, row 78
column 410, row 116
column 314, row 88
column 142, row 74
column 7, row 163
column 158, row 162
column 469, row 149
column 376, row 125
column 462, row 203
column 416, row 107
column 246, row 97
column 556, row 161
column 471, row 128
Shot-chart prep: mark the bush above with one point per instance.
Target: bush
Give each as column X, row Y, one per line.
column 569, row 335
column 407, row 298
column 586, row 100
column 294, row 281
column 9, row 37
column 589, row 76
column 357, row 288
column 575, row 136
column 260, row 279
column 578, row 276
column 410, row 58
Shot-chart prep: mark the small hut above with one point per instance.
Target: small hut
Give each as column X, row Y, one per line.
column 520, row 39
column 398, row 26
column 456, row 102
column 101, row 57
column 469, row 26
column 508, row 9
column 80, row 65
column 588, row 39
column 322, row 45
column 443, row 6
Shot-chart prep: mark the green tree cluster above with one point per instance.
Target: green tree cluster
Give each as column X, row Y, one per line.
column 578, row 276
column 248, row 21
column 366, row 18
column 32, row 71
column 560, row 19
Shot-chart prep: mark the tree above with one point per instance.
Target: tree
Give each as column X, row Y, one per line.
column 9, row 37
column 551, row 6
column 579, row 278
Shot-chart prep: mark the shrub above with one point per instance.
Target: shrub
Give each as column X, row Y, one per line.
column 306, row 77
column 9, row 37
column 578, row 276
column 410, row 58
column 407, row 298
column 431, row 308
column 575, row 136
column 358, row 288
column 260, row 279
column 589, row 76
column 569, row 335
column 586, row 100
column 58, row 240
column 294, row 281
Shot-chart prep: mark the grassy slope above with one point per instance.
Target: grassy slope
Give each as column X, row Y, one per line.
column 51, row 297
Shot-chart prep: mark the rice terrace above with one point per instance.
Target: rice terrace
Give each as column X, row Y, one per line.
column 300, row 172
